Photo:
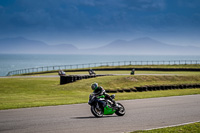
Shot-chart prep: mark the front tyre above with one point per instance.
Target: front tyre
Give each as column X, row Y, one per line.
column 120, row 110
column 97, row 112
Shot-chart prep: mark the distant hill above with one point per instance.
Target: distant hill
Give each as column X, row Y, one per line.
column 23, row 45
column 140, row 46
column 145, row 46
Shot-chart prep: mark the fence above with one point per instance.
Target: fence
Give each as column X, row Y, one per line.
column 90, row 65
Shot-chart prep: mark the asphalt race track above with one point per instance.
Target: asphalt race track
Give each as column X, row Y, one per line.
column 140, row 114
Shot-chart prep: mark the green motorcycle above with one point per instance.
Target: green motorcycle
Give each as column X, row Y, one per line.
column 98, row 110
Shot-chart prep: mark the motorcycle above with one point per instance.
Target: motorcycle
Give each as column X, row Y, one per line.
column 98, row 110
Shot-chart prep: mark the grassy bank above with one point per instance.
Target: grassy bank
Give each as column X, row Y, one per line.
column 126, row 72
column 189, row 128
column 34, row 92
column 55, row 72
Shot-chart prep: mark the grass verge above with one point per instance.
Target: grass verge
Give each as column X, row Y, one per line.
column 34, row 92
column 189, row 128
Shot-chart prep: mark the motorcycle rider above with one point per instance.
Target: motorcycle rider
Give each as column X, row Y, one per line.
column 99, row 92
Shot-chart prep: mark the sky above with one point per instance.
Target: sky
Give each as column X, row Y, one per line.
column 94, row 23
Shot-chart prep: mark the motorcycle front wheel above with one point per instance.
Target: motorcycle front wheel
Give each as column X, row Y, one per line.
column 121, row 110
column 97, row 112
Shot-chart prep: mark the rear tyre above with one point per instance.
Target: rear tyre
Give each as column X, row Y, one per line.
column 121, row 110
column 96, row 112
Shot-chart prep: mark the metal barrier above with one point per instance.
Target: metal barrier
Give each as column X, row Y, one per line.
column 90, row 65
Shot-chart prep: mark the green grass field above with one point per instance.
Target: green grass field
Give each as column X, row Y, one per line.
column 34, row 92
column 189, row 128
column 44, row 91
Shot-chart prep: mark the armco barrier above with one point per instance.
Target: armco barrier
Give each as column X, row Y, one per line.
column 155, row 88
column 46, row 69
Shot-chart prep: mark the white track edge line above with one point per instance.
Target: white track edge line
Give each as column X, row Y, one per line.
column 173, row 125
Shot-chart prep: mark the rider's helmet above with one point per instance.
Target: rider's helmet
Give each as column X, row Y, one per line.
column 94, row 86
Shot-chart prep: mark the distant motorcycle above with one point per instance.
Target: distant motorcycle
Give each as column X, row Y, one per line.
column 98, row 110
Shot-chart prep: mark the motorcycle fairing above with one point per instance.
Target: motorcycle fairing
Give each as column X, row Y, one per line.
column 108, row 111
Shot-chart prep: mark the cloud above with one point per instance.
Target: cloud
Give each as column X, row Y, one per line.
column 144, row 4
column 189, row 4
column 100, row 17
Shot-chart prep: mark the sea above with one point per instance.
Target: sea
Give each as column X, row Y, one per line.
column 10, row 62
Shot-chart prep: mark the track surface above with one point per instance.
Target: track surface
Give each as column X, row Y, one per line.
column 140, row 114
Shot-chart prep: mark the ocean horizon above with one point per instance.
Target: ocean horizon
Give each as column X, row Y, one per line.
column 10, row 62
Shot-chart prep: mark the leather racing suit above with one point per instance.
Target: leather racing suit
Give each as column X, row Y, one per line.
column 100, row 92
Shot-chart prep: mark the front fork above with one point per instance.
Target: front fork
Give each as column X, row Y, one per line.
column 97, row 106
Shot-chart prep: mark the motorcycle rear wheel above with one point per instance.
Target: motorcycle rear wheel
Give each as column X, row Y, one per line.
column 96, row 112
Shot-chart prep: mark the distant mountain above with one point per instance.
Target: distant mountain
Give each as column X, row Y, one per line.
column 146, row 46
column 140, row 46
column 23, row 45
